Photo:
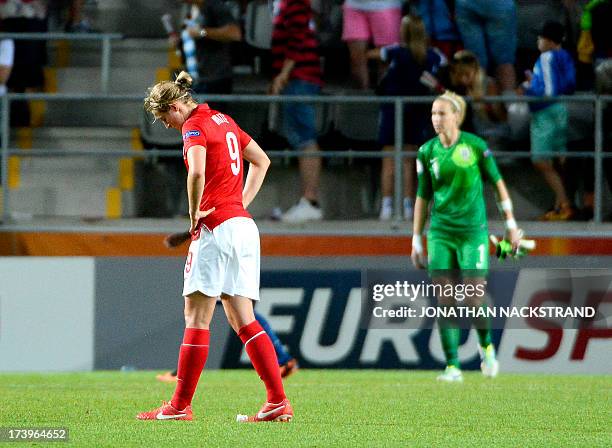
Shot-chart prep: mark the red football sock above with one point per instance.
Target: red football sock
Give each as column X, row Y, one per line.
column 192, row 358
column 261, row 351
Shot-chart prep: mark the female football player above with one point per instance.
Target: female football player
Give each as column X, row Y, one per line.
column 450, row 169
column 223, row 258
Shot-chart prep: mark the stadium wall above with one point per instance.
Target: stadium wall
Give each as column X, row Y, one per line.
column 84, row 313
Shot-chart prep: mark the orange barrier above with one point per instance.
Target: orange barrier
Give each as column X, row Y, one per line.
column 128, row 244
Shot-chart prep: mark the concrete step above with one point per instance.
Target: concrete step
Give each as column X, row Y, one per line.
column 51, row 168
column 124, row 53
column 78, row 137
column 88, row 113
column 79, row 197
column 70, row 185
column 136, row 18
column 88, row 79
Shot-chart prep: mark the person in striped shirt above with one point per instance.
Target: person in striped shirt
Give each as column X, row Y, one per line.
column 554, row 74
column 297, row 71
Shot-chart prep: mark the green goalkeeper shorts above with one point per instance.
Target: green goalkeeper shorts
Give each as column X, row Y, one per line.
column 458, row 251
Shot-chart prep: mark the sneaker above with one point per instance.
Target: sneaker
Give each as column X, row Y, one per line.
column 408, row 209
column 386, row 213
column 451, row 375
column 564, row 213
column 166, row 412
column 281, row 412
column 167, row 377
column 289, row 368
column 386, row 208
column 489, row 365
column 303, row 211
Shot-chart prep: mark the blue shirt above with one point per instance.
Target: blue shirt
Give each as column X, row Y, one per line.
column 554, row 74
column 402, row 76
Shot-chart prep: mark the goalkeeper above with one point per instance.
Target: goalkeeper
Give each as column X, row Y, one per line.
column 451, row 168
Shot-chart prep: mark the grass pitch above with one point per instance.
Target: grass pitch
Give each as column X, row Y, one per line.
column 332, row 408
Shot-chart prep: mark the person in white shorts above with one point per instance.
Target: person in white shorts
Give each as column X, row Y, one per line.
column 223, row 258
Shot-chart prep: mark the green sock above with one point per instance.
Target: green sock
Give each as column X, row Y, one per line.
column 483, row 328
column 449, row 335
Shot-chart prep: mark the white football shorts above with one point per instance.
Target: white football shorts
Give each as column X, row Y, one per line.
column 225, row 260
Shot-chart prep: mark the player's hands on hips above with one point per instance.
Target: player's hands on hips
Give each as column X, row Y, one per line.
column 418, row 254
column 196, row 216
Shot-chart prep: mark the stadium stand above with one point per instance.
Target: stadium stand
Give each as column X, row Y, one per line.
column 144, row 56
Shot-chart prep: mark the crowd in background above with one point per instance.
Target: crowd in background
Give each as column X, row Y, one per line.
column 387, row 47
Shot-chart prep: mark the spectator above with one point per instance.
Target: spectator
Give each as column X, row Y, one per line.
column 205, row 40
column 366, row 20
column 23, row 16
column 603, row 84
column 466, row 77
column 297, row 71
column 595, row 44
column 488, row 28
column 77, row 22
column 7, row 54
column 439, row 18
column 407, row 62
column 208, row 30
column 553, row 74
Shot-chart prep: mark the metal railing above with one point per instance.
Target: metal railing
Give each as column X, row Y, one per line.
column 106, row 39
column 398, row 155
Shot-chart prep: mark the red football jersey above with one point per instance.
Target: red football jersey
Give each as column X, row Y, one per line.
column 224, row 142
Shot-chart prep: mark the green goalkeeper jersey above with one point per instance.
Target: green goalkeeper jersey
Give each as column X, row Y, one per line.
column 453, row 177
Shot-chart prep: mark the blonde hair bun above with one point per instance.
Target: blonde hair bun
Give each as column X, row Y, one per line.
column 184, row 80
column 164, row 93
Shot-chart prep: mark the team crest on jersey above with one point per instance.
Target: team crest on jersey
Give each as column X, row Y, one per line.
column 190, row 134
column 463, row 156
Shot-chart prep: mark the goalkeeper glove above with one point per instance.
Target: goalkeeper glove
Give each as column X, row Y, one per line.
column 503, row 248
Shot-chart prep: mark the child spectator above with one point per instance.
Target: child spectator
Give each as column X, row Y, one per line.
column 407, row 62
column 465, row 76
column 553, row 74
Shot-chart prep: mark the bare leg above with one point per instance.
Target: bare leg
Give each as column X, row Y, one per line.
column 409, row 173
column 554, row 181
column 199, row 310
column 310, row 171
column 506, row 77
column 239, row 311
column 386, row 174
column 359, row 63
